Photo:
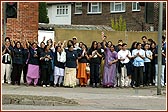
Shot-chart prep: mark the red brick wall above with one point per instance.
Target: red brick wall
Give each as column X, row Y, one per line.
column 26, row 22
column 134, row 20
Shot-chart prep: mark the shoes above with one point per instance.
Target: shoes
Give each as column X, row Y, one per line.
column 94, row 85
column 59, row 85
column 126, row 86
column 48, row 85
column 97, row 85
column 27, row 84
column 44, row 86
column 121, row 87
column 72, row 86
column 133, row 86
column 18, row 83
column 141, row 86
column 55, row 85
column 84, row 85
column 114, row 86
column 104, row 86
column 162, row 85
column 13, row 83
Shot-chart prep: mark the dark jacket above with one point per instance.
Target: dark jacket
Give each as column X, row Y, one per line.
column 34, row 60
column 45, row 63
column 18, row 56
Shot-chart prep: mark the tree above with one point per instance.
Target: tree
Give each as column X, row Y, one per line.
column 118, row 24
column 112, row 23
column 43, row 18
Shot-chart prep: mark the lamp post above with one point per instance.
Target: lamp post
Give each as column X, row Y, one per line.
column 160, row 48
column 4, row 21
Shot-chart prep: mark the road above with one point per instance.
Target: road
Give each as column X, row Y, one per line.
column 90, row 98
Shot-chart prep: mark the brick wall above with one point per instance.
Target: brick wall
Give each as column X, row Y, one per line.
column 26, row 22
column 134, row 20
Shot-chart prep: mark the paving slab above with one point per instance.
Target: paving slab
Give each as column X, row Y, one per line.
column 88, row 98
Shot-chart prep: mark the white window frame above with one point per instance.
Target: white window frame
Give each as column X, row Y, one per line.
column 62, row 8
column 78, row 5
column 117, row 3
column 92, row 4
column 136, row 9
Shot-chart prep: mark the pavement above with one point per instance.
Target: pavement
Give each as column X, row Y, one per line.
column 85, row 98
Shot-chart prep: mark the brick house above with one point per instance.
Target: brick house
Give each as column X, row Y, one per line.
column 101, row 13
column 26, row 22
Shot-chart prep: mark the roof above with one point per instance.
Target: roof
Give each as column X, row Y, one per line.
column 76, row 27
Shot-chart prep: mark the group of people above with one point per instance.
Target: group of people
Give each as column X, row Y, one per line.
column 62, row 63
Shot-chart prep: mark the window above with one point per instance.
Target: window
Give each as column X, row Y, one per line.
column 117, row 7
column 94, row 8
column 62, row 10
column 135, row 6
column 78, row 8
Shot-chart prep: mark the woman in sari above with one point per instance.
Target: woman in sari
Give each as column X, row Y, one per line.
column 111, row 58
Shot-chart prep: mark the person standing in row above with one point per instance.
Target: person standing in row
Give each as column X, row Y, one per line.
column 138, row 56
column 163, row 62
column 147, row 62
column 153, row 49
column 33, row 64
column 59, row 65
column 45, row 59
column 18, row 60
column 83, row 60
column 117, row 49
column 101, row 69
column 6, row 61
column 133, row 46
column 95, row 56
column 111, row 58
column 145, row 40
column 119, row 45
column 70, row 67
column 50, row 43
column 25, row 63
column 124, row 56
